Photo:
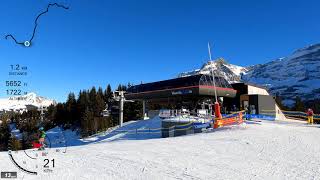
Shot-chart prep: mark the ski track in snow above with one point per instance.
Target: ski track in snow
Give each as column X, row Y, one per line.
column 265, row 150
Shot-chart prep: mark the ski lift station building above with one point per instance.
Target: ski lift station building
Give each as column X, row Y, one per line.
column 198, row 91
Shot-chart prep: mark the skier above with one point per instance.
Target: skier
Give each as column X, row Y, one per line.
column 246, row 112
column 310, row 116
column 234, row 108
column 42, row 138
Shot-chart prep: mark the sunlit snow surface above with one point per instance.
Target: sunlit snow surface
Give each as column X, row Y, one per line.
column 257, row 150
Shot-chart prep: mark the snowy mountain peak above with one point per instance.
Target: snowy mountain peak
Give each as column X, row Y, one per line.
column 306, row 51
column 296, row 75
column 20, row 103
column 220, row 67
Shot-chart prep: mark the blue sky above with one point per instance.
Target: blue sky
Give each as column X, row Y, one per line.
column 120, row 41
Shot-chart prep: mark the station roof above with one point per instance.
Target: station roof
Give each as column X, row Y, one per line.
column 196, row 85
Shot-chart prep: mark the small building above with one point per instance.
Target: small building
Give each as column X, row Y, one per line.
column 256, row 98
column 183, row 92
column 198, row 91
column 244, row 92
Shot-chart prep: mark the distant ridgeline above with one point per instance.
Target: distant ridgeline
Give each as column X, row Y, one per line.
column 291, row 77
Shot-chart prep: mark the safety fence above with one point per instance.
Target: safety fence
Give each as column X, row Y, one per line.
column 178, row 128
column 300, row 115
column 265, row 116
column 234, row 118
column 270, row 114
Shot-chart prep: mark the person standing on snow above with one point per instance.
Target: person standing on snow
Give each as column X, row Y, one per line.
column 42, row 138
column 310, row 116
column 246, row 112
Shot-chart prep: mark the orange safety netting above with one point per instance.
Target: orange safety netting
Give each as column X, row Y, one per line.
column 238, row 119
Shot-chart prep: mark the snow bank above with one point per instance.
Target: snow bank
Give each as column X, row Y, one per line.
column 59, row 138
column 262, row 150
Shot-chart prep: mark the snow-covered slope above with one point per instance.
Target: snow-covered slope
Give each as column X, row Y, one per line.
column 126, row 132
column 221, row 67
column 20, row 103
column 295, row 75
column 265, row 150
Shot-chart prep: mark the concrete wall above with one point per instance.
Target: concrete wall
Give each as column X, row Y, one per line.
column 266, row 105
column 169, row 129
column 252, row 90
column 256, row 90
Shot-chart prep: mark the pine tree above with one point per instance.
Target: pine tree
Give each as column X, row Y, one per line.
column 132, row 111
column 278, row 100
column 84, row 112
column 61, row 114
column 15, row 144
column 299, row 105
column 107, row 93
column 92, row 99
column 4, row 133
column 28, row 138
column 50, row 115
column 71, row 109
column 100, row 92
column 314, row 105
column 82, row 102
column 122, row 87
column 100, row 105
column 119, row 87
column 86, row 126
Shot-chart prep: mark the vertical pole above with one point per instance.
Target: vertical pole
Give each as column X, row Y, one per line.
column 144, row 109
column 216, row 104
column 41, row 108
column 121, row 108
column 212, row 74
column 209, row 49
column 214, row 85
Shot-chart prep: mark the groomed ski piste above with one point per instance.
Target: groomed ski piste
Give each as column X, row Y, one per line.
column 255, row 150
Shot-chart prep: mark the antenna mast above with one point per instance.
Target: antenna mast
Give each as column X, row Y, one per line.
column 212, row 74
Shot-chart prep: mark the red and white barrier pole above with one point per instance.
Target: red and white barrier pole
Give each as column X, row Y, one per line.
column 217, row 111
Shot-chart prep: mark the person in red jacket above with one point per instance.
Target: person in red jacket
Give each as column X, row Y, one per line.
column 310, row 116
